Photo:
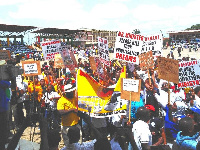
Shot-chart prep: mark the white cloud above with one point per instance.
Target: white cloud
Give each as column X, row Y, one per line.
column 114, row 14
column 11, row 2
column 48, row 10
column 152, row 17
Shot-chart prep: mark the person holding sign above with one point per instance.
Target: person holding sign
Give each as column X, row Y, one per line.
column 151, row 87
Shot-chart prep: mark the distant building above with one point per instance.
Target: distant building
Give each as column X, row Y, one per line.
column 89, row 37
column 185, row 36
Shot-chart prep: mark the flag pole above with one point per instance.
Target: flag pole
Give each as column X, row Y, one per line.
column 130, row 108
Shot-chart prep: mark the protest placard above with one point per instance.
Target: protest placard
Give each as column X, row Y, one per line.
column 4, row 55
column 92, row 63
column 103, row 51
column 50, row 48
column 153, row 43
column 69, row 59
column 168, row 69
column 31, row 68
column 189, row 73
column 82, row 54
column 100, row 70
column 130, row 89
column 128, row 46
column 146, row 61
column 58, row 61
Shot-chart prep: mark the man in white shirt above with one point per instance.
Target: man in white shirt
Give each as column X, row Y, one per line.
column 141, row 132
column 50, row 97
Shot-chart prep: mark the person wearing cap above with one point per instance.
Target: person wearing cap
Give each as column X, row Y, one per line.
column 67, row 107
column 156, row 127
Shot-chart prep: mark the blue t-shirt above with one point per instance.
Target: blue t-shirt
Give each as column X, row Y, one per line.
column 135, row 105
column 3, row 98
column 173, row 127
column 187, row 142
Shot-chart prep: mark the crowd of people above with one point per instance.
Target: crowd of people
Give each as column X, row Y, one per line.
column 157, row 121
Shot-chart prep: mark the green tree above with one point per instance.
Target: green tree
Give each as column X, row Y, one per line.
column 194, row 27
column 136, row 31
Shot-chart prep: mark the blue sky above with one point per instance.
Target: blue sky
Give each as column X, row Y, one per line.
column 150, row 16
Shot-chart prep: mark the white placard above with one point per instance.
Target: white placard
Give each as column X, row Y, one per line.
column 103, row 51
column 30, row 68
column 50, row 48
column 130, row 85
column 128, row 46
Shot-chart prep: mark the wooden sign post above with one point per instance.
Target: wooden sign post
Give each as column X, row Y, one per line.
column 168, row 69
column 130, row 90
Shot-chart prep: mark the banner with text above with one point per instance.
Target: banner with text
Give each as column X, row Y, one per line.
column 50, row 48
column 189, row 73
column 103, row 51
column 128, row 46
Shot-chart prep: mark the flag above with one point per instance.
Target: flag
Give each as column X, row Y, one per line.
column 88, row 86
column 96, row 99
column 122, row 75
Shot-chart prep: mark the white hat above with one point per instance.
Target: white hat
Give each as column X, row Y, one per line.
column 69, row 88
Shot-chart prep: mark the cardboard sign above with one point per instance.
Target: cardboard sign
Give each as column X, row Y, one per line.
column 4, row 55
column 58, row 61
column 168, row 69
column 189, row 73
column 92, row 63
column 130, row 95
column 31, row 68
column 146, row 61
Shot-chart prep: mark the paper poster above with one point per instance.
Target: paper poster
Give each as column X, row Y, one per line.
column 103, row 51
column 131, row 89
column 189, row 73
column 153, row 43
column 58, row 61
column 50, row 48
column 100, row 70
column 130, row 85
column 82, row 54
column 68, row 59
